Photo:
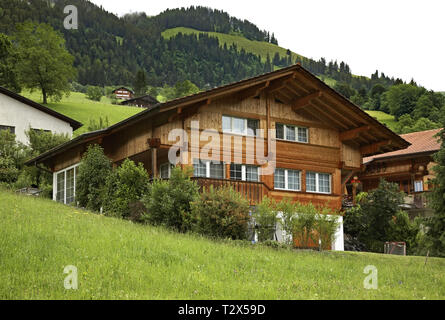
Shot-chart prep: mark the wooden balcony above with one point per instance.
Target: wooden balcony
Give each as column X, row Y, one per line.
column 252, row 191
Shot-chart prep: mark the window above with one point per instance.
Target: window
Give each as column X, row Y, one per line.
column 208, row 169
column 288, row 179
column 244, row 172
column 291, row 133
column 165, row 170
column 418, row 186
column 10, row 129
column 65, row 185
column 318, row 182
column 40, row 130
column 240, row 125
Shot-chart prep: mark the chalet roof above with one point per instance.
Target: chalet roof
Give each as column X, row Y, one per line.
column 124, row 89
column 147, row 99
column 294, row 85
column 423, row 142
column 73, row 123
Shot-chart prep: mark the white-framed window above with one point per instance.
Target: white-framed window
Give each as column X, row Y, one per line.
column 286, row 179
column 418, row 186
column 208, row 169
column 243, row 172
column 65, row 185
column 165, row 170
column 291, row 133
column 9, row 128
column 318, row 182
column 247, row 127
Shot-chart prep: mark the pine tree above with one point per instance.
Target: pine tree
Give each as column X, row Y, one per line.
column 140, row 83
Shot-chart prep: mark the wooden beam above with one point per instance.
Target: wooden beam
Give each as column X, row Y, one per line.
column 279, row 84
column 252, row 92
column 354, row 133
column 338, row 114
column 303, row 102
column 374, row 148
column 325, row 116
column 182, row 113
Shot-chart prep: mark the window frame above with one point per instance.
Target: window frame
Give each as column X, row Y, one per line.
column 56, row 186
column 416, row 183
column 169, row 166
column 317, row 182
column 244, row 172
column 208, row 171
column 286, row 180
column 296, row 133
column 245, row 131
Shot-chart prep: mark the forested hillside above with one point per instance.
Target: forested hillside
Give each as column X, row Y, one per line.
column 209, row 48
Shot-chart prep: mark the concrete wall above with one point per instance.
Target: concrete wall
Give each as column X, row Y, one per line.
column 16, row 114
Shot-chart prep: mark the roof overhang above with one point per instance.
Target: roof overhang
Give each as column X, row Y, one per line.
column 293, row 85
column 73, row 123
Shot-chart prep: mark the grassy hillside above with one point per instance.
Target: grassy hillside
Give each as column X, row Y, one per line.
column 120, row 260
column 385, row 118
column 78, row 107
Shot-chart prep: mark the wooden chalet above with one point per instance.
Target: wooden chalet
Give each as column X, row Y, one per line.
column 123, row 93
column 321, row 139
column 146, row 101
column 410, row 168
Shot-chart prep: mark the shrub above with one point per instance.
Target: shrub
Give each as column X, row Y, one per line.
column 304, row 225
column 8, row 170
column 126, row 185
column 168, row 203
column 326, row 224
column 288, row 212
column 266, row 218
column 94, row 93
column 93, row 173
column 222, row 213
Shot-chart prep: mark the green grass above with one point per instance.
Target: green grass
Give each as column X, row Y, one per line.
column 120, row 260
column 384, row 118
column 79, row 108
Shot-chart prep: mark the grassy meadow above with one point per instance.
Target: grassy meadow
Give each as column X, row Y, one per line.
column 120, row 260
column 79, row 108
column 384, row 118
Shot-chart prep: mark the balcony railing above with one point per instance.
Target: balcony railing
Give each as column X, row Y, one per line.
column 418, row 200
column 253, row 191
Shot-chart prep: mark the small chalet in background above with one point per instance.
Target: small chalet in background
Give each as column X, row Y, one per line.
column 123, row 93
column 141, row 102
column 410, row 168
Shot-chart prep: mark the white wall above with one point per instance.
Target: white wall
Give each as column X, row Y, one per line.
column 16, row 114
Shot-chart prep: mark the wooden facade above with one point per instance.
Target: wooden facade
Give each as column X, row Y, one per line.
column 411, row 168
column 335, row 136
column 123, row 93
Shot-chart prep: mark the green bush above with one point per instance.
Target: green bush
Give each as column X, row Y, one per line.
column 8, row 170
column 91, row 179
column 326, row 224
column 221, row 213
column 288, row 212
column 168, row 203
column 266, row 218
column 126, row 185
column 94, row 93
column 304, row 224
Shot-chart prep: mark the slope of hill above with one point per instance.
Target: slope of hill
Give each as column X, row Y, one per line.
column 117, row 259
column 261, row 48
column 78, row 107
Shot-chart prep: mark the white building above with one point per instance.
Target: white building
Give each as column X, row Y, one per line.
column 18, row 114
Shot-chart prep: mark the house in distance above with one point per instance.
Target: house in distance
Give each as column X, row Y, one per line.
column 19, row 114
column 312, row 140
column 411, row 169
column 123, row 93
column 146, row 101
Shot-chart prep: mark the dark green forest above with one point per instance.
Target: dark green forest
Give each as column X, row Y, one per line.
column 109, row 50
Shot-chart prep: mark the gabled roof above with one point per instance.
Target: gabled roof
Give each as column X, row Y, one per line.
column 148, row 99
column 293, row 85
column 73, row 123
column 424, row 142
